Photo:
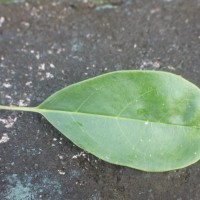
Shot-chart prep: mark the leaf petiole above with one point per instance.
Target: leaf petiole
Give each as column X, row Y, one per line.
column 18, row 108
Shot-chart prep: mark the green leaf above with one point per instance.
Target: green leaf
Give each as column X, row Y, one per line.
column 141, row 119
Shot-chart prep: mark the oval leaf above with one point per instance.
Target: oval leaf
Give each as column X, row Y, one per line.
column 141, row 119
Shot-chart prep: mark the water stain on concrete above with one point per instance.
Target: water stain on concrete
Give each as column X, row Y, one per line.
column 24, row 187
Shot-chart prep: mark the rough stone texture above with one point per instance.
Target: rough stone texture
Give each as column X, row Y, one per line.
column 46, row 45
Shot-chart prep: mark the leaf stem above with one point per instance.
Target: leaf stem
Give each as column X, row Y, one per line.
column 18, row 108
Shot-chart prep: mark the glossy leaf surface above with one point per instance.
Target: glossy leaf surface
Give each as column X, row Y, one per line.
column 141, row 119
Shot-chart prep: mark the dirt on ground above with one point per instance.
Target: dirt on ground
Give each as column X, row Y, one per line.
column 47, row 45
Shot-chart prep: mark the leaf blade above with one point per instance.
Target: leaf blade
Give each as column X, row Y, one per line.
column 141, row 104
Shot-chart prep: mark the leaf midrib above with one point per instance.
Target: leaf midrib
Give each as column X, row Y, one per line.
column 42, row 110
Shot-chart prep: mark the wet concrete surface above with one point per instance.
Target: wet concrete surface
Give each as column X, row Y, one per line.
column 47, row 45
